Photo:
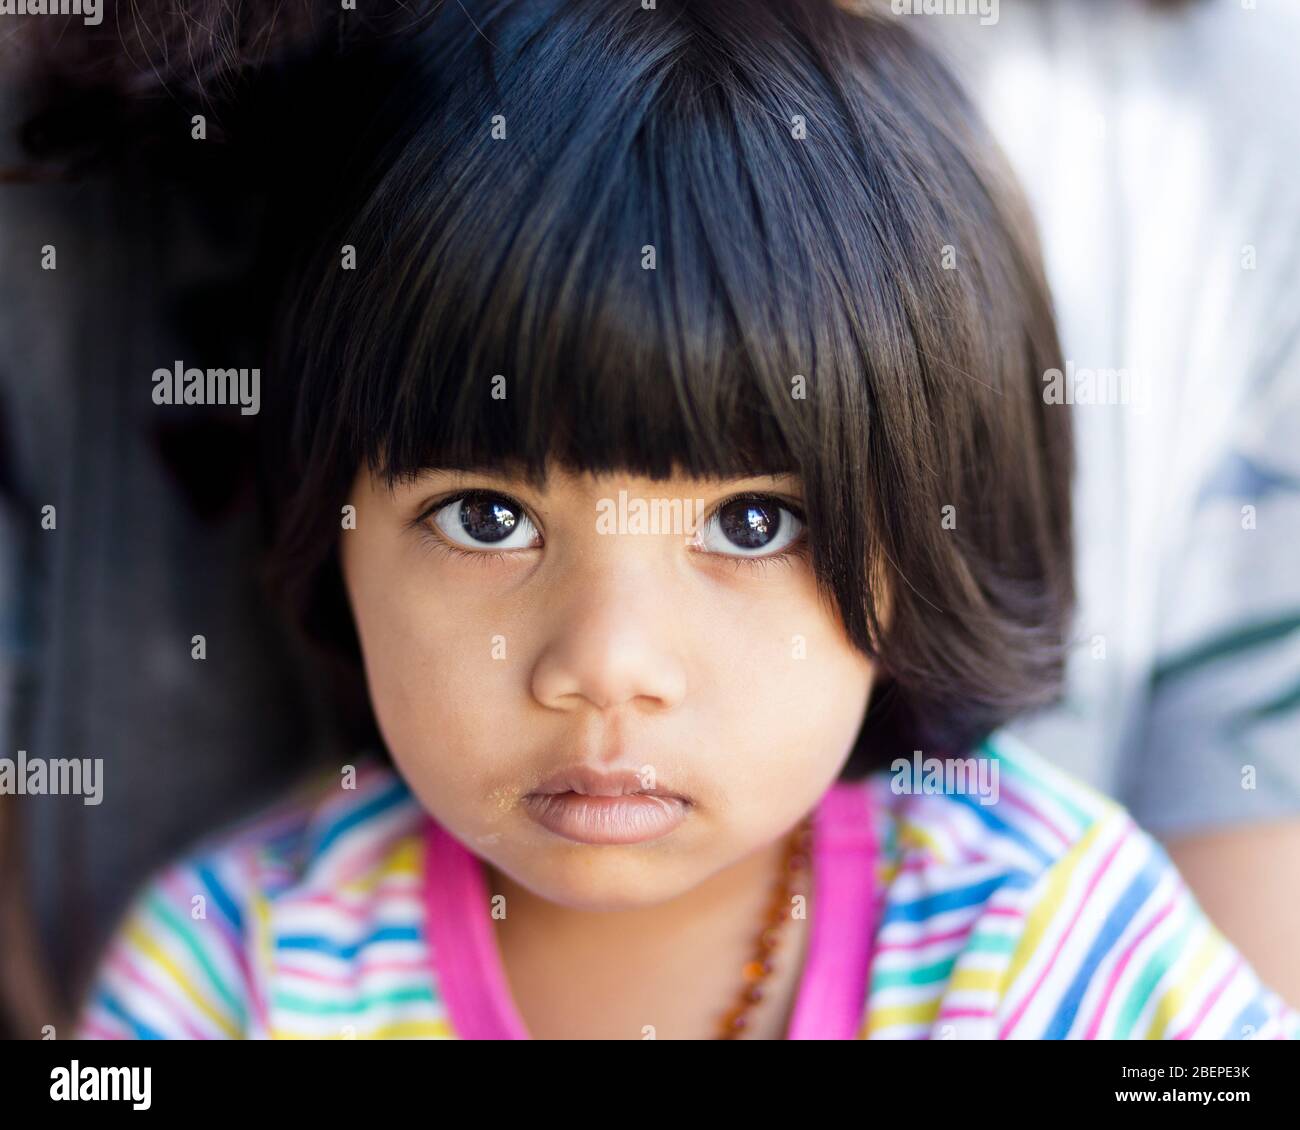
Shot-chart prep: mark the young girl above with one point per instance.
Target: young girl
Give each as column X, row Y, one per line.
column 667, row 452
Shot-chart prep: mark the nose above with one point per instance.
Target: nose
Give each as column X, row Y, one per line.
column 611, row 646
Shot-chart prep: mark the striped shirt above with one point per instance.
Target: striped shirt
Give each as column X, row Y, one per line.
column 1016, row 903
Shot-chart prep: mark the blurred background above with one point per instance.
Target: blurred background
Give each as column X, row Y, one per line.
column 1160, row 150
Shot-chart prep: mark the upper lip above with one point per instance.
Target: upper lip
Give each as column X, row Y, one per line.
column 597, row 782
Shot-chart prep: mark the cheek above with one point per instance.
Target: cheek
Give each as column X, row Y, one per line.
column 436, row 674
column 784, row 694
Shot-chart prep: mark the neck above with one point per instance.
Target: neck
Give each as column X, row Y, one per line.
column 688, row 953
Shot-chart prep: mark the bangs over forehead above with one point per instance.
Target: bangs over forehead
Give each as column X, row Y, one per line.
column 721, row 238
column 609, row 243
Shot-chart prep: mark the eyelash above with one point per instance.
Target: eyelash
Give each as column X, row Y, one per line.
column 435, row 541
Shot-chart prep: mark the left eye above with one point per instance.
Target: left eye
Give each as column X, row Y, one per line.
column 486, row 522
column 750, row 526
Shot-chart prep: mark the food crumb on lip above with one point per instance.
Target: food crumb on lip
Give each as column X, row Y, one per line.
column 573, row 792
column 504, row 799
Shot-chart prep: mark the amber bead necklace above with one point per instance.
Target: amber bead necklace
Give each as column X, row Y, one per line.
column 795, row 866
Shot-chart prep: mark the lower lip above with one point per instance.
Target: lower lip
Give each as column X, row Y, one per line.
column 631, row 819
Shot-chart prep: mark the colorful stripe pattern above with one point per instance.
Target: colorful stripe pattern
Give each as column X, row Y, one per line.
column 304, row 924
column 1047, row 914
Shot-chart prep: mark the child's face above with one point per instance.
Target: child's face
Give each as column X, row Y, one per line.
column 562, row 634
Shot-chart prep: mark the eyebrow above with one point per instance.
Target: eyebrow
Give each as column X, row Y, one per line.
column 496, row 469
column 515, row 470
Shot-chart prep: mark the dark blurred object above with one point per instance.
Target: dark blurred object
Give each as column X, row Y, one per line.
column 162, row 255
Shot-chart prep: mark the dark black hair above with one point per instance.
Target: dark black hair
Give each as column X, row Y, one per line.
column 825, row 213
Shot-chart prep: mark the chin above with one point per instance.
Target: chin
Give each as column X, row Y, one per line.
column 589, row 883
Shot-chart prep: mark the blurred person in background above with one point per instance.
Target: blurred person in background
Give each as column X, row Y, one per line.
column 1158, row 145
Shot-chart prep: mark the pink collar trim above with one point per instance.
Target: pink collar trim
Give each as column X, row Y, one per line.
column 470, row 975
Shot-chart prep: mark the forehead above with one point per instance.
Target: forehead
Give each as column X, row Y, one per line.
column 560, row 480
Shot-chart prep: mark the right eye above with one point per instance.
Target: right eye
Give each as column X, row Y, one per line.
column 479, row 520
